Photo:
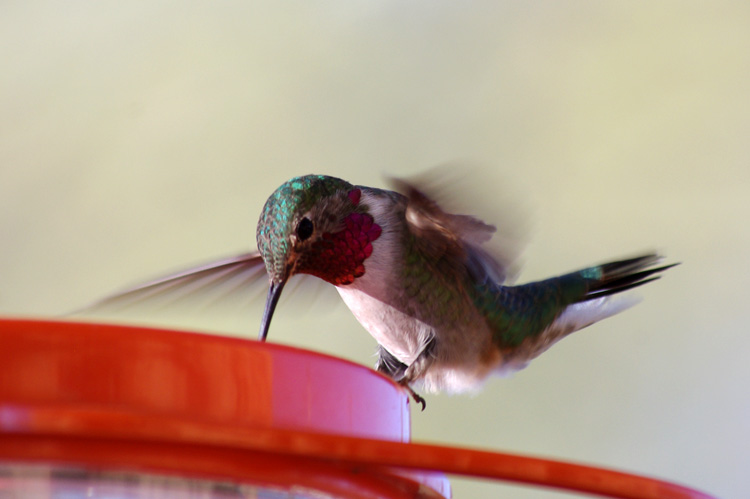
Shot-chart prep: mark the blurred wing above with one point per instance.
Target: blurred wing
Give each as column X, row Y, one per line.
column 199, row 286
column 226, row 295
column 451, row 238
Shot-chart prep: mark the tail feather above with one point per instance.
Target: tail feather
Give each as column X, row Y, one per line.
column 601, row 282
column 535, row 315
column 616, row 277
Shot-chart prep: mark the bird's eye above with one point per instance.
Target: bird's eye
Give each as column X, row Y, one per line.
column 304, row 229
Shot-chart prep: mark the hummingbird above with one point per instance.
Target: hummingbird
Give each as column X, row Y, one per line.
column 418, row 279
column 419, row 282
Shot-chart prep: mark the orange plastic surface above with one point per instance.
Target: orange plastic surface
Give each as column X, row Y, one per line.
column 114, row 397
column 195, row 377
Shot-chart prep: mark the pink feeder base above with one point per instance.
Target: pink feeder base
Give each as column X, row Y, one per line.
column 119, row 410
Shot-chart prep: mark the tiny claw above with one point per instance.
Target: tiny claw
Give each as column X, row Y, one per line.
column 417, row 397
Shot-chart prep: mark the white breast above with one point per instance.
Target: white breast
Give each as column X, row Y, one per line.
column 400, row 334
column 373, row 296
column 374, row 299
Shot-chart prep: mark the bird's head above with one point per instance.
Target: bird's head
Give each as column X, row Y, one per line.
column 315, row 225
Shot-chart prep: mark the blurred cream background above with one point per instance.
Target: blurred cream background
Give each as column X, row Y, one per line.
column 138, row 138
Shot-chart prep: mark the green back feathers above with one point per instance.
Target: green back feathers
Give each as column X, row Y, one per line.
column 518, row 312
column 430, row 284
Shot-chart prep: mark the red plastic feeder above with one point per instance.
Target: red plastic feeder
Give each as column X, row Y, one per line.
column 91, row 410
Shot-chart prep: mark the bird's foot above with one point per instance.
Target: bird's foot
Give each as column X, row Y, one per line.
column 417, row 397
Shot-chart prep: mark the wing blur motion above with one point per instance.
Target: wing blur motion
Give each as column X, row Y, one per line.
column 461, row 237
column 435, row 200
column 224, row 295
column 202, row 286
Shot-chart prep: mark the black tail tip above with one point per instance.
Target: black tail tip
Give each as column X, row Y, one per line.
column 624, row 275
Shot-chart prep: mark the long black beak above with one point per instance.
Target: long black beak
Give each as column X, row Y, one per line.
column 274, row 292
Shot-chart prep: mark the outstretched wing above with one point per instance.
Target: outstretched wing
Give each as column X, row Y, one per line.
column 225, row 294
column 447, row 237
column 199, row 286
